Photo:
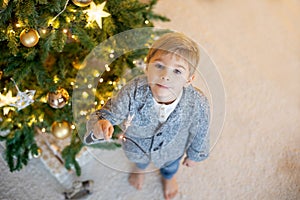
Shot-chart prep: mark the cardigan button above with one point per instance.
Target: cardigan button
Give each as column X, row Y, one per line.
column 159, row 134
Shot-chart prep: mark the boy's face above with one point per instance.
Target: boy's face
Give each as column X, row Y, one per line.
column 167, row 75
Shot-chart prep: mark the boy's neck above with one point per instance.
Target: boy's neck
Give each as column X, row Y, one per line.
column 166, row 103
column 169, row 102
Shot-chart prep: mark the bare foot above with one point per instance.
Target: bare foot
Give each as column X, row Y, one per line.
column 136, row 178
column 170, row 188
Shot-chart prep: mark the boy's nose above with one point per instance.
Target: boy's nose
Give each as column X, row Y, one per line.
column 165, row 75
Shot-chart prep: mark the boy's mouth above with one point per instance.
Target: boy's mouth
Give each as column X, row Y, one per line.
column 162, row 86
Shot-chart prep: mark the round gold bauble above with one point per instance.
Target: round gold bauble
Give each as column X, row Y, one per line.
column 58, row 99
column 77, row 64
column 82, row 3
column 61, row 130
column 39, row 151
column 29, row 38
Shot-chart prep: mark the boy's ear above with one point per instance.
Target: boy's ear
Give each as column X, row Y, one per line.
column 189, row 81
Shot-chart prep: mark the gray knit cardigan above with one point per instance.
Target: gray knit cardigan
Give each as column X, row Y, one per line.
column 185, row 130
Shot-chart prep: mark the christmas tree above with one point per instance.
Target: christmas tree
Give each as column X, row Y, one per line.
column 44, row 44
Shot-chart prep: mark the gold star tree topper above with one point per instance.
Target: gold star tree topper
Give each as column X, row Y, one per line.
column 96, row 12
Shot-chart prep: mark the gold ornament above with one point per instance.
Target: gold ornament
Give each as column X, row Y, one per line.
column 58, row 99
column 61, row 130
column 77, row 64
column 29, row 38
column 82, row 3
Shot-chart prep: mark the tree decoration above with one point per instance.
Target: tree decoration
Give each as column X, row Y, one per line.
column 96, row 12
column 29, row 38
column 66, row 40
column 39, row 153
column 77, row 64
column 58, row 99
column 7, row 99
column 82, row 3
column 7, row 109
column 24, row 99
column 3, row 5
column 61, row 130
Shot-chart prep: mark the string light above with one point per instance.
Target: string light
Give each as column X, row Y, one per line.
column 55, row 79
column 82, row 112
column 74, row 37
column 96, row 73
column 44, row 31
column 60, row 11
column 85, row 95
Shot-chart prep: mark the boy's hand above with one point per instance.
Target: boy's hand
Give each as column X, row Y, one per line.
column 189, row 163
column 103, row 129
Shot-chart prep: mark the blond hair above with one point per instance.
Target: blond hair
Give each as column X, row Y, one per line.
column 177, row 44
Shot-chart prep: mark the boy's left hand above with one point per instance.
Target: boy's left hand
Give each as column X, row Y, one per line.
column 189, row 163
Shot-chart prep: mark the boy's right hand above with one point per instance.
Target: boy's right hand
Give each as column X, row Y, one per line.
column 103, row 129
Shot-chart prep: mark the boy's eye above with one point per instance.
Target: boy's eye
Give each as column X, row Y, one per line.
column 176, row 71
column 159, row 66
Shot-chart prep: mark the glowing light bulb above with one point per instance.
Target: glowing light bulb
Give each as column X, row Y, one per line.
column 85, row 95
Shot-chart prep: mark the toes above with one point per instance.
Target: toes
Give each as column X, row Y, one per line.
column 136, row 180
column 170, row 195
column 170, row 188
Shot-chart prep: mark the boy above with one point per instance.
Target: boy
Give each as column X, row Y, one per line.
column 169, row 117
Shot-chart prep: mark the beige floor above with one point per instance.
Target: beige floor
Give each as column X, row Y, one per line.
column 256, row 48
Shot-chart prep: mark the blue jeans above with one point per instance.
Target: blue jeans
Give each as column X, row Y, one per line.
column 167, row 171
